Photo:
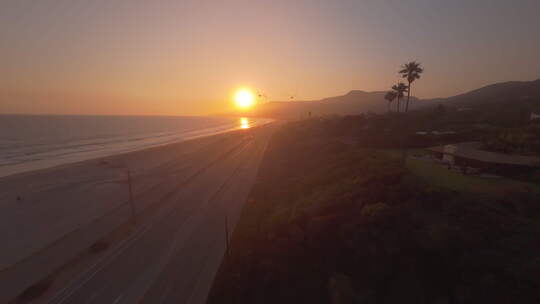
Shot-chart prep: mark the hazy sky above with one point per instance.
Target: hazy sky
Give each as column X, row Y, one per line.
column 187, row 57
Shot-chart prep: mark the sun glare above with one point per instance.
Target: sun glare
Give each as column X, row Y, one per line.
column 244, row 123
column 244, row 99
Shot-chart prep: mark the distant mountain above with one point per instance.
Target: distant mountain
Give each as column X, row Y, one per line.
column 511, row 91
column 354, row 102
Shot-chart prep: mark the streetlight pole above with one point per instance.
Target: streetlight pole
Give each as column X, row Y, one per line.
column 131, row 204
column 226, row 237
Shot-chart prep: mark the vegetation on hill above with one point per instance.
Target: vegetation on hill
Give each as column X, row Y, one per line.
column 496, row 93
column 522, row 140
column 333, row 221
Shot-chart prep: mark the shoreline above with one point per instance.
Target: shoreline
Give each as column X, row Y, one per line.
column 51, row 163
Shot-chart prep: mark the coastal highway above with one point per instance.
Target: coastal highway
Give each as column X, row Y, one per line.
column 173, row 255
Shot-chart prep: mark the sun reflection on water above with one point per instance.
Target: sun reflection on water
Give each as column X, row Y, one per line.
column 244, row 123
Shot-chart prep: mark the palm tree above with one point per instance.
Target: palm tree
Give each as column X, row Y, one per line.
column 411, row 71
column 399, row 90
column 390, row 96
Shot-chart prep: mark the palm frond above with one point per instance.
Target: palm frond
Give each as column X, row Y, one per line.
column 400, row 89
column 411, row 71
column 390, row 96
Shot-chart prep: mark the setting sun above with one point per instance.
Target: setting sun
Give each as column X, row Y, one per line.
column 244, row 99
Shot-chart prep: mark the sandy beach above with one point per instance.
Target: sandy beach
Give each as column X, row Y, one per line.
column 49, row 216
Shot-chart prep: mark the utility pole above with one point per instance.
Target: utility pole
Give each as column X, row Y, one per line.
column 226, row 237
column 131, row 204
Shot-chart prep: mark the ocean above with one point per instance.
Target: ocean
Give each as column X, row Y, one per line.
column 32, row 142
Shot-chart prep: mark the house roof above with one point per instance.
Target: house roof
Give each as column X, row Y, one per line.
column 471, row 150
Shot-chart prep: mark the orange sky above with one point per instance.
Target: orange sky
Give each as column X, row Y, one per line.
column 187, row 57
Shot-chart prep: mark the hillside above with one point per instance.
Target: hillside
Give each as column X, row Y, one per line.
column 519, row 93
column 354, row 102
column 515, row 91
column 332, row 222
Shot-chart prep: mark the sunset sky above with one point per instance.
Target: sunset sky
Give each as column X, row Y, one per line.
column 188, row 57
